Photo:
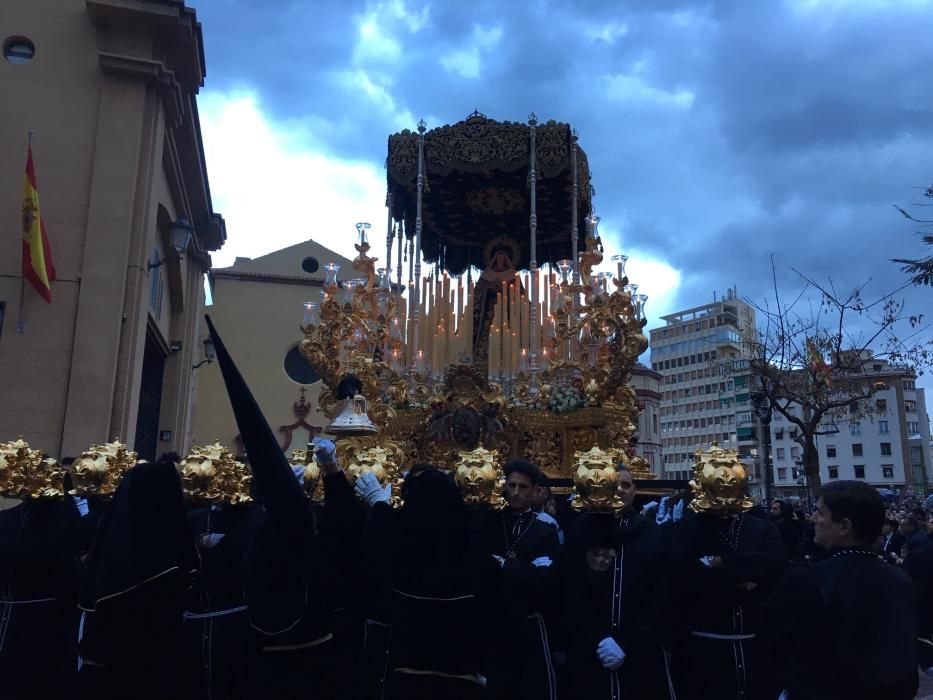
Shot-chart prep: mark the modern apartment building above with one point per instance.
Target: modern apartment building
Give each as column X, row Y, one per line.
column 882, row 443
column 705, row 384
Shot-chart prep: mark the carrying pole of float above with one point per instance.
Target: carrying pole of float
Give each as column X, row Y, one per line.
column 389, row 237
column 416, row 287
column 535, row 339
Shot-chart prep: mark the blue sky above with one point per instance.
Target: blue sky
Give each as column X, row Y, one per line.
column 717, row 132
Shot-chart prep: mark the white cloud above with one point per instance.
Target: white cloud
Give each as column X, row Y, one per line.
column 811, row 6
column 622, row 87
column 607, row 33
column 467, row 62
column 274, row 185
column 378, row 95
column 377, row 40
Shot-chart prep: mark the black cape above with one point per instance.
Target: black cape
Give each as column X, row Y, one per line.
column 133, row 591
column 39, row 546
column 845, row 628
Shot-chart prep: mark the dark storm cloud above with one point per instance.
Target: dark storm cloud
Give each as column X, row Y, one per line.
column 717, row 132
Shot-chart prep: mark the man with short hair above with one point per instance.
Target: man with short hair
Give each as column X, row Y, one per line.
column 615, row 594
column 845, row 628
column 891, row 541
column 525, row 548
column 913, row 538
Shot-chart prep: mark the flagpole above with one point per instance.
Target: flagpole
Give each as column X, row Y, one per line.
column 21, row 320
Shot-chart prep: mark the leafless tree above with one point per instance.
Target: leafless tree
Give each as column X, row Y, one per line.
column 813, row 355
column 919, row 269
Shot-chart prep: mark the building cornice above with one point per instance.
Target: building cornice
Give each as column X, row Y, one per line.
column 152, row 72
column 270, row 277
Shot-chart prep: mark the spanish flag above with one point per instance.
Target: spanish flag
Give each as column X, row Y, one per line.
column 37, row 256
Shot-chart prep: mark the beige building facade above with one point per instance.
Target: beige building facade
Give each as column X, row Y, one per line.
column 257, row 310
column 107, row 87
column 647, row 385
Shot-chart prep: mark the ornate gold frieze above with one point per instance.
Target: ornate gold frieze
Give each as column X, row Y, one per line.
column 211, row 474
column 98, row 470
column 719, row 482
column 25, row 473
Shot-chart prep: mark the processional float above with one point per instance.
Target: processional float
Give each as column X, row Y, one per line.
column 493, row 335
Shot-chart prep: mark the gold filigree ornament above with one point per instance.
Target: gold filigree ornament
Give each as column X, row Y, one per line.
column 480, row 478
column 98, row 470
column 311, row 474
column 384, row 459
column 25, row 474
column 211, row 474
column 719, row 482
column 595, row 482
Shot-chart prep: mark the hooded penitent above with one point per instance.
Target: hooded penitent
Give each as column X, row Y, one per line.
column 278, row 567
column 144, row 536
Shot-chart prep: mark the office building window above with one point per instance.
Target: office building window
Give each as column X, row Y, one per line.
column 782, row 473
column 856, row 449
column 883, row 427
column 912, row 427
column 910, row 406
column 855, row 428
column 909, row 386
column 830, row 450
column 881, row 405
column 885, row 449
column 859, row 470
column 834, row 472
column 780, row 453
column 887, row 471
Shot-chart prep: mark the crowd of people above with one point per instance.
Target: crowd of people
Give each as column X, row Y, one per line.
column 694, row 596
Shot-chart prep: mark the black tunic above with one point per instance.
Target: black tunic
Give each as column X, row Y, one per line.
column 845, row 628
column 521, row 665
column 216, row 622
column 133, row 591
column 428, row 586
column 38, row 591
column 615, row 585
column 717, row 612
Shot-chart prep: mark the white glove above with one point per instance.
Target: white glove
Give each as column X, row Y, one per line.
column 679, row 511
column 370, row 490
column 325, row 451
column 663, row 516
column 707, row 560
column 649, row 508
column 209, row 541
column 610, row 653
column 499, row 560
column 542, row 561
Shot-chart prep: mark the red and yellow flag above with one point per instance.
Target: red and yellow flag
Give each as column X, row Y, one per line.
column 37, row 256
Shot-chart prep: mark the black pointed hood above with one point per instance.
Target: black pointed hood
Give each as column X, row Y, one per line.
column 272, row 476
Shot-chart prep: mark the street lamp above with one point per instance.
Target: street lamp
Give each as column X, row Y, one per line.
column 181, row 235
column 208, row 353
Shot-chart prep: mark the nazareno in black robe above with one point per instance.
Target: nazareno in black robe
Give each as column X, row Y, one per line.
column 287, row 587
column 133, row 591
column 217, row 630
column 615, row 584
column 39, row 546
column 431, row 588
column 845, row 629
column 521, row 666
column 717, row 612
